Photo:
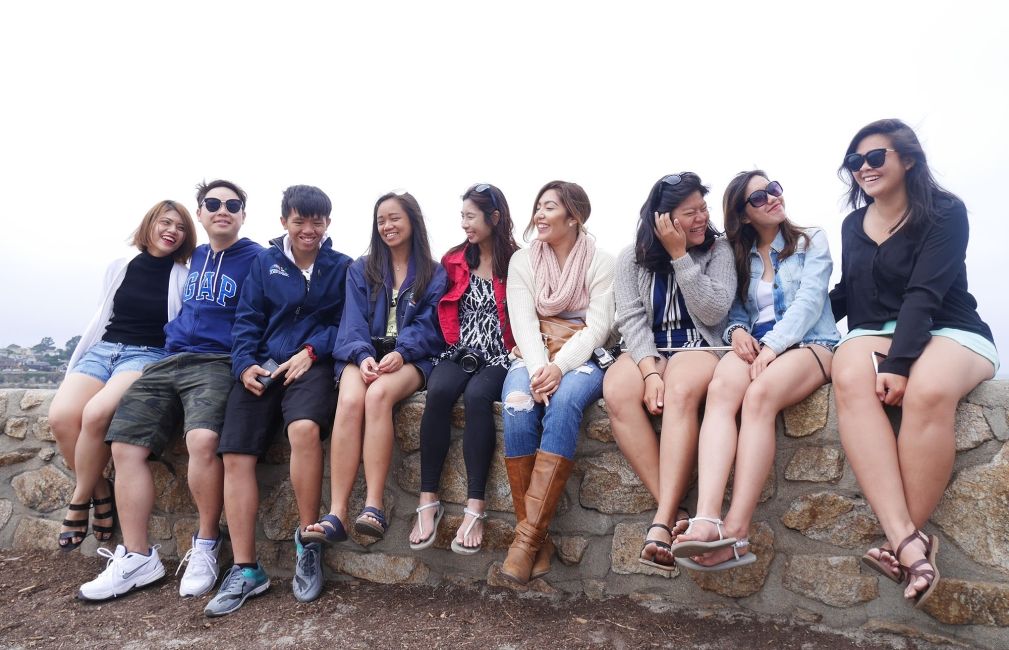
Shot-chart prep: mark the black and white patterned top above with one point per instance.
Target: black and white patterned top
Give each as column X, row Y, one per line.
column 479, row 327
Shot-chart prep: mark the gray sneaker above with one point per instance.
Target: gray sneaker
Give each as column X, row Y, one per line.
column 307, row 583
column 238, row 585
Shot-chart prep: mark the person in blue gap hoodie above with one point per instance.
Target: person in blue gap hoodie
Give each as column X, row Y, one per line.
column 388, row 335
column 189, row 387
column 289, row 312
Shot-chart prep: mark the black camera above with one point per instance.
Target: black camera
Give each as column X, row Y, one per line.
column 606, row 357
column 383, row 345
column 469, row 360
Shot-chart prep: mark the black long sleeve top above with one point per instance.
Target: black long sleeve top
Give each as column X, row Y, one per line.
column 917, row 277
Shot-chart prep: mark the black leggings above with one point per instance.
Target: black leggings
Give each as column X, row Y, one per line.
column 479, row 391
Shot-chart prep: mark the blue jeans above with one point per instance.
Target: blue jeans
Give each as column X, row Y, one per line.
column 529, row 426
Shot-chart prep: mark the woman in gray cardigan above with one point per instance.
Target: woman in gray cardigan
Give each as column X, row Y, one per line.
column 673, row 291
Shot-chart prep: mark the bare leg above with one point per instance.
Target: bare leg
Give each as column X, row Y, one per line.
column 241, row 500
column 381, row 396
column 134, row 494
column 306, row 468
column 206, row 480
column 475, row 536
column 66, row 410
column 623, row 389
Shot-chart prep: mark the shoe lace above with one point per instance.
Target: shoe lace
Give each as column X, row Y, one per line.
column 306, row 561
column 199, row 559
column 104, row 552
column 233, row 576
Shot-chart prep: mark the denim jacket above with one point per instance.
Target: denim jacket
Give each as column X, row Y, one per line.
column 801, row 309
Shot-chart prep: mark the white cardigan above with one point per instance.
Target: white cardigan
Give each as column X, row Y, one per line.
column 526, row 325
column 114, row 275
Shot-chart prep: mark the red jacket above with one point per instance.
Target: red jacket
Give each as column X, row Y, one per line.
column 448, row 307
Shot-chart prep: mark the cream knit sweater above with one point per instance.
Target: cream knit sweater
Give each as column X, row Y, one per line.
column 526, row 325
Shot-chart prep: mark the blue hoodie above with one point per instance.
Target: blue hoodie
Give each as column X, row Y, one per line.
column 419, row 336
column 280, row 312
column 209, row 299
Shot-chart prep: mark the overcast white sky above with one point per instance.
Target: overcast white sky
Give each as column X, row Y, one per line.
column 107, row 108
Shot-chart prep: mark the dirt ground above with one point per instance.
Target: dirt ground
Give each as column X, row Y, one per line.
column 40, row 610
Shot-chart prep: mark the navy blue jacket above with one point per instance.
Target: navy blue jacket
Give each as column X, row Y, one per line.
column 419, row 335
column 280, row 312
column 209, row 299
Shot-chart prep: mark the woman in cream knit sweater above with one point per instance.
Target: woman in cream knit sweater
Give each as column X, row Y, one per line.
column 673, row 289
column 559, row 289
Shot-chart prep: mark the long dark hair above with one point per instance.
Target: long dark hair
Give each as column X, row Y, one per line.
column 665, row 197
column 379, row 264
column 922, row 189
column 502, row 241
column 742, row 235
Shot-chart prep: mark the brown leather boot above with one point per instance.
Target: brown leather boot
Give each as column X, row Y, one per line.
column 546, row 485
column 520, row 468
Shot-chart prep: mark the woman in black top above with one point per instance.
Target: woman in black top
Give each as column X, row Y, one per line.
column 904, row 291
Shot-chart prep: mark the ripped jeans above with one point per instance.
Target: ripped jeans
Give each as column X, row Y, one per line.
column 529, row 426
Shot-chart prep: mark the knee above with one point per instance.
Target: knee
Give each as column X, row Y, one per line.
column 759, row 401
column 350, row 404
column 929, row 397
column 619, row 400
column 517, row 402
column 302, row 433
column 95, row 418
column 125, row 455
column 202, row 443
column 65, row 423
column 474, row 400
column 440, row 395
column 849, row 381
column 681, row 395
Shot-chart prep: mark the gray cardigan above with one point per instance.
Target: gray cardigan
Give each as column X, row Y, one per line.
column 707, row 280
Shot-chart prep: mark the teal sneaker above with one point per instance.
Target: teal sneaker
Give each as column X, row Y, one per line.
column 238, row 585
column 307, row 585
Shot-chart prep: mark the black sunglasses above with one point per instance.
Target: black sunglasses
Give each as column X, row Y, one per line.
column 484, row 187
column 234, row 206
column 875, row 158
column 672, row 179
column 759, row 198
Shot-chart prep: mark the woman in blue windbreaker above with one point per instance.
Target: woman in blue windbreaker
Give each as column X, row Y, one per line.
column 782, row 330
column 383, row 352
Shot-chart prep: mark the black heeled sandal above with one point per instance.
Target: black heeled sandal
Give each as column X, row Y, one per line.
column 71, row 539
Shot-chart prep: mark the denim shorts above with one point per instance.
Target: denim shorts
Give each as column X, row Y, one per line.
column 104, row 359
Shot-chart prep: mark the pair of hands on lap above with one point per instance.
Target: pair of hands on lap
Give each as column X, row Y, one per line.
column 294, row 368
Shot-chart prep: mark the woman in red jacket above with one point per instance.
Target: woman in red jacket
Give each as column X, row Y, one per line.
column 474, row 322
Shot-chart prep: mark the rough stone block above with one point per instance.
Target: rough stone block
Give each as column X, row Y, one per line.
column 973, row 511
column 6, row 510
column 379, row 567
column 626, row 549
column 835, row 581
column 42, row 429
column 35, row 398
column 48, row 454
column 407, row 425
column 830, row 517
column 571, row 549
column 16, row 456
column 453, row 478
column 600, row 429
column 497, row 534
column 808, row 416
column 357, row 499
column 594, row 589
column 278, row 512
column 539, row 586
column 766, row 492
column 963, row 602
column 16, row 427
column 815, row 464
column 35, row 534
column 971, row 427
column 171, row 490
column 744, row 581
column 990, row 393
column 3, row 406
column 279, row 452
column 609, row 485
column 159, row 528
column 44, row 489
column 183, row 532
column 998, row 421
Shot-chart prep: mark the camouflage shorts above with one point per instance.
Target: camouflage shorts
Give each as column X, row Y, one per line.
column 187, row 388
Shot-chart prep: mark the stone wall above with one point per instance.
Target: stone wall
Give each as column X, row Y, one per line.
column 811, row 527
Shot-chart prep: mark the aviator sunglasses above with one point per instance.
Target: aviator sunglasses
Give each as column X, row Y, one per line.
column 484, row 187
column 234, row 206
column 875, row 158
column 759, row 198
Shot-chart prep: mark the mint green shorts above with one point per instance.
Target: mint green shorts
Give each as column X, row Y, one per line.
column 973, row 342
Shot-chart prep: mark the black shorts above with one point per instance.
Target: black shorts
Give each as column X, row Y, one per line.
column 250, row 422
column 188, row 388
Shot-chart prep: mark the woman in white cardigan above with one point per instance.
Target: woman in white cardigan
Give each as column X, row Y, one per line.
column 560, row 303
column 674, row 288
column 139, row 296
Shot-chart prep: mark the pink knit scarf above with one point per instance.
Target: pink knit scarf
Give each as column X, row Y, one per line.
column 561, row 290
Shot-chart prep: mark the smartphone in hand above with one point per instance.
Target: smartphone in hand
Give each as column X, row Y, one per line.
column 876, row 358
column 271, row 366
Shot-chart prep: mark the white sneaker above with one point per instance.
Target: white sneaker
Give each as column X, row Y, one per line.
column 201, row 570
column 123, row 573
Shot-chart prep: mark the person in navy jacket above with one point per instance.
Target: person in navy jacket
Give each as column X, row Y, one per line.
column 289, row 312
column 383, row 353
column 474, row 320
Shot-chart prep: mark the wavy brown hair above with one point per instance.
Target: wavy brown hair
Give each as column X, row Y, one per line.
column 742, row 236
column 573, row 198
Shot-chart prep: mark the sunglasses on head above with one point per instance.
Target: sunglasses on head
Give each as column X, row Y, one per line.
column 234, row 206
column 672, row 179
column 875, row 158
column 484, row 187
column 759, row 198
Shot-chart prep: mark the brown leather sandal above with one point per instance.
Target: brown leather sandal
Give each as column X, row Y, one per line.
column 915, row 571
column 882, row 568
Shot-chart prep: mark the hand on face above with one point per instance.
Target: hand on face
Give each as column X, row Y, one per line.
column 671, row 235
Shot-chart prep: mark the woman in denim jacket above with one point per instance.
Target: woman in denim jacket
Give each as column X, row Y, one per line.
column 782, row 330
